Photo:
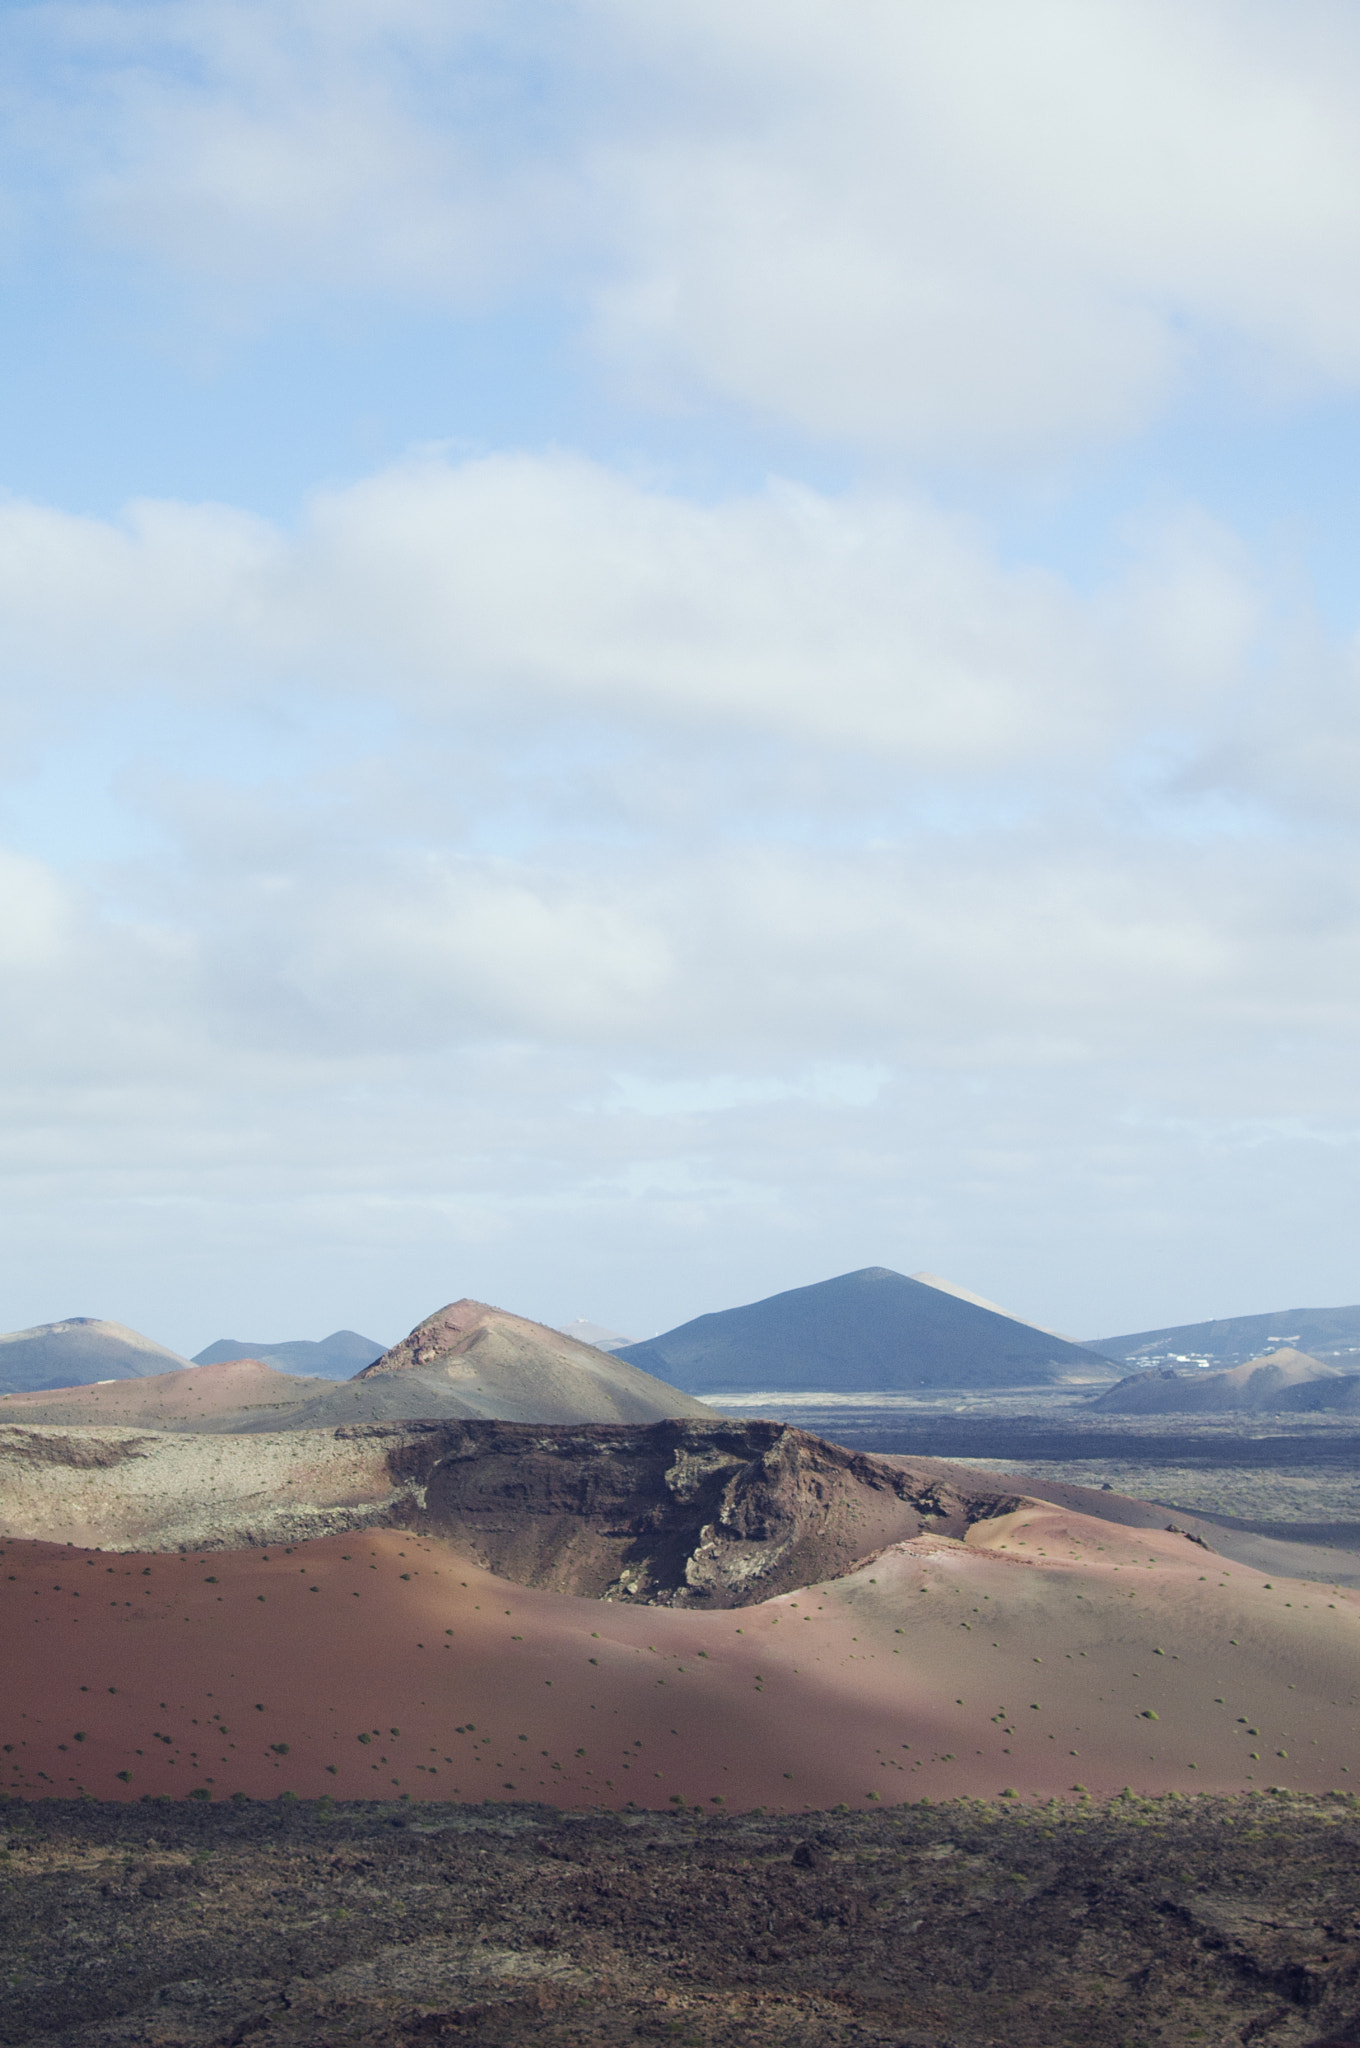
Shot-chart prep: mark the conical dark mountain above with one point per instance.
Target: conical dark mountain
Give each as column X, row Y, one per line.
column 874, row 1330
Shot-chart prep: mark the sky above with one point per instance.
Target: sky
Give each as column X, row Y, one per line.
column 652, row 652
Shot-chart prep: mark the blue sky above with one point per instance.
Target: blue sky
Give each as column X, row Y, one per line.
column 649, row 653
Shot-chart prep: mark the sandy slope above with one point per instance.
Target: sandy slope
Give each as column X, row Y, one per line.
column 1324, row 1551
column 241, row 1389
column 1030, row 1656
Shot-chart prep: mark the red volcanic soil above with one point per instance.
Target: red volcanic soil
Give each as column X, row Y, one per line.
column 163, row 1399
column 1049, row 1651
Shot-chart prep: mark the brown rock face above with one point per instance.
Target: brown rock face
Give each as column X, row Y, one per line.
column 449, row 1333
column 677, row 1513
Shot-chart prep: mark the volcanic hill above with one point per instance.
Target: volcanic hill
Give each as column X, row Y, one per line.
column 77, row 1351
column 476, row 1361
column 871, row 1330
column 1257, row 1384
column 785, row 1625
column 467, row 1361
column 680, row 1512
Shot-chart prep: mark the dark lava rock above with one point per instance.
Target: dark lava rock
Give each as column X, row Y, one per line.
column 1188, row 1923
column 675, row 1513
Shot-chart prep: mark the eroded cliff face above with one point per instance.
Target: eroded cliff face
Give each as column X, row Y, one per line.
column 675, row 1513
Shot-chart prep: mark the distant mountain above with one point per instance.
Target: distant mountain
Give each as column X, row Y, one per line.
column 331, row 1358
column 1330, row 1333
column 594, row 1333
column 874, row 1330
column 1257, row 1384
column 78, row 1351
column 468, row 1362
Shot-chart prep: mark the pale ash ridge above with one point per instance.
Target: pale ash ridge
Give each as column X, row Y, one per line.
column 77, row 1351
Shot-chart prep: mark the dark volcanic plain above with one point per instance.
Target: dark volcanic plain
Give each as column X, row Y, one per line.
column 1188, row 1923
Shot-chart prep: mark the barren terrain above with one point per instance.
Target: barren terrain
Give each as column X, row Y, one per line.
column 229, row 1396
column 1188, row 1923
column 1048, row 1651
column 702, row 1732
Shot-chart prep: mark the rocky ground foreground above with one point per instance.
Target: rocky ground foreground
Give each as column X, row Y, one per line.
column 197, row 1925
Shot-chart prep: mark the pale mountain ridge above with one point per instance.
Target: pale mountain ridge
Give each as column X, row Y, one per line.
column 77, row 1351
column 1330, row 1333
column 981, row 1301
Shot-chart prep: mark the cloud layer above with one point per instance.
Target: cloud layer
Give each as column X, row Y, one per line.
column 757, row 852
column 523, row 871
column 969, row 231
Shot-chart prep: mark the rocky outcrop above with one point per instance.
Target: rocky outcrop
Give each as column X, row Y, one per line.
column 673, row 1513
column 677, row 1513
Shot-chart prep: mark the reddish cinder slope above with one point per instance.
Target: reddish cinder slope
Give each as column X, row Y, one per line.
column 487, row 1363
column 168, row 1400
column 1049, row 1650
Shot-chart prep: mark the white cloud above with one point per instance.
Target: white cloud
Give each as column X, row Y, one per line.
column 380, row 1080
column 517, row 877
column 276, row 149
column 985, row 228
column 967, row 230
column 549, row 585
column 34, row 915
column 663, row 819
